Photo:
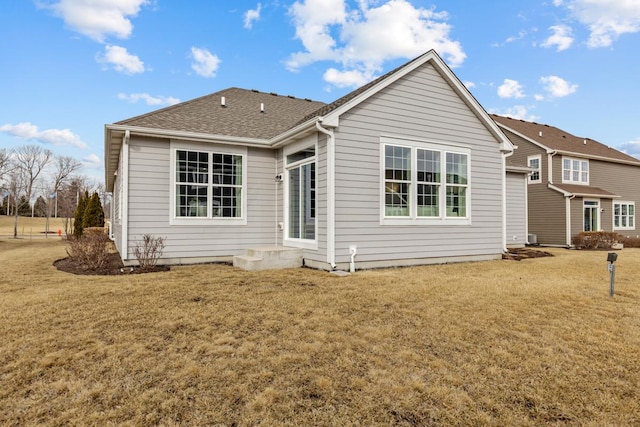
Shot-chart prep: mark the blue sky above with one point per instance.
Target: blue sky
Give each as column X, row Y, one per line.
column 71, row 66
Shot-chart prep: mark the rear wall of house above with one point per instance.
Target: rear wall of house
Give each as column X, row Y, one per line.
column 421, row 106
column 150, row 206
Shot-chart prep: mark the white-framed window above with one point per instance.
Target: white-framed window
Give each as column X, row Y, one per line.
column 575, row 171
column 624, row 215
column 535, row 162
column 208, row 185
column 424, row 182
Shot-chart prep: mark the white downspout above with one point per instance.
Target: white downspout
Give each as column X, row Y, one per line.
column 331, row 194
column 504, row 200
column 125, row 194
column 277, row 183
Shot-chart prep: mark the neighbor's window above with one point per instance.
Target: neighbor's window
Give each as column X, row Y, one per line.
column 415, row 185
column 534, row 163
column 208, row 185
column 575, row 171
column 624, row 215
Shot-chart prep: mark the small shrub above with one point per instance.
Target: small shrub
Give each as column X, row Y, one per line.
column 90, row 251
column 595, row 239
column 148, row 251
column 630, row 241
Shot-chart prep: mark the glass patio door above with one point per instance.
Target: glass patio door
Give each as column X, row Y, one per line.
column 591, row 213
column 301, row 222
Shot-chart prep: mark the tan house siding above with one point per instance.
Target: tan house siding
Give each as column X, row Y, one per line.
column 547, row 218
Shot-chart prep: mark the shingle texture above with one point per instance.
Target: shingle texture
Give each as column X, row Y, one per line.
column 583, row 189
column 240, row 117
column 558, row 139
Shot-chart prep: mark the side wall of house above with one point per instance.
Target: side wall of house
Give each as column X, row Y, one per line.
column 116, row 200
column 622, row 180
column 420, row 107
column 516, row 209
column 546, row 207
column 150, row 206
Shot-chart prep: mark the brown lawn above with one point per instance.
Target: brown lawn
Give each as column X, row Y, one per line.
column 532, row 342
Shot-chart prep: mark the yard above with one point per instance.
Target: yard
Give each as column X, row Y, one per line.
column 532, row 342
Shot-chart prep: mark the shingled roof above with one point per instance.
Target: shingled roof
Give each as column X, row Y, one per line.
column 558, row 139
column 240, row 116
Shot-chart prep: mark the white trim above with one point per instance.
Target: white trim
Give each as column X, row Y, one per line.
column 309, row 141
column 538, row 169
column 413, row 218
column 613, row 214
column 597, row 208
column 191, row 136
column 331, row 193
column 124, row 207
column 571, row 170
column 210, row 149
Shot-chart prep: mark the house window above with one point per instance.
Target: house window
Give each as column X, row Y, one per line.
column 575, row 171
column 301, row 197
column 534, row 163
column 208, row 185
column 424, row 181
column 624, row 215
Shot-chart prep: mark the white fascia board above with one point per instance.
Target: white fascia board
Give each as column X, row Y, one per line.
column 190, row 136
column 533, row 141
column 293, row 134
column 591, row 157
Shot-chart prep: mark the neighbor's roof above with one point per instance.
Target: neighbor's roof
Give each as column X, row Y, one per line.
column 584, row 191
column 241, row 115
column 560, row 140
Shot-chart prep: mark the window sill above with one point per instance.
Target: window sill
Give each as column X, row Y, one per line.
column 208, row 221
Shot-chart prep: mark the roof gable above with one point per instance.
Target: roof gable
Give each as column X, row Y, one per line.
column 555, row 139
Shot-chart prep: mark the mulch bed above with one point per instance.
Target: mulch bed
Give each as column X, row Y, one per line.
column 518, row 254
column 112, row 267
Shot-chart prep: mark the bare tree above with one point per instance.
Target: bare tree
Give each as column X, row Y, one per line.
column 5, row 168
column 64, row 166
column 29, row 162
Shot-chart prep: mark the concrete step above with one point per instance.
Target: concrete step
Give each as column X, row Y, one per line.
column 268, row 258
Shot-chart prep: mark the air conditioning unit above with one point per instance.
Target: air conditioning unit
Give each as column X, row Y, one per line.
column 532, row 238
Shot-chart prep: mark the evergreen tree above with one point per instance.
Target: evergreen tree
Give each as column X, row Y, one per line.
column 93, row 213
column 78, row 216
column 24, row 207
column 40, row 207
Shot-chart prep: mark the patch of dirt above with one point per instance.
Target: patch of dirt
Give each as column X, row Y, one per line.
column 518, row 254
column 112, row 267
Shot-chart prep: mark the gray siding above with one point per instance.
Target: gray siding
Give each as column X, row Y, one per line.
column 516, row 209
column 422, row 106
column 149, row 205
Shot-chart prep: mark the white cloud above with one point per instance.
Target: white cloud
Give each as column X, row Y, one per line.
column 350, row 78
column 632, row 148
column 92, row 161
column 204, row 62
column 557, row 87
column 469, row 85
column 562, row 38
column 31, row 132
column 252, row 15
column 150, row 100
column 121, row 60
column 519, row 112
column 99, row 19
column 606, row 19
column 510, row 89
column 362, row 39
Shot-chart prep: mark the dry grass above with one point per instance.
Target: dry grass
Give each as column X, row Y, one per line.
column 535, row 342
column 30, row 228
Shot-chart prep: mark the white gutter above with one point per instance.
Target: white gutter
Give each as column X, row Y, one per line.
column 331, row 194
column 125, row 195
column 190, row 136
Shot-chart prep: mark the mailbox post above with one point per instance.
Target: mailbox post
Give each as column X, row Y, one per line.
column 611, row 258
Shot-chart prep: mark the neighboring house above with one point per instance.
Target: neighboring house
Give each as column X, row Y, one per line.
column 578, row 184
column 408, row 169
